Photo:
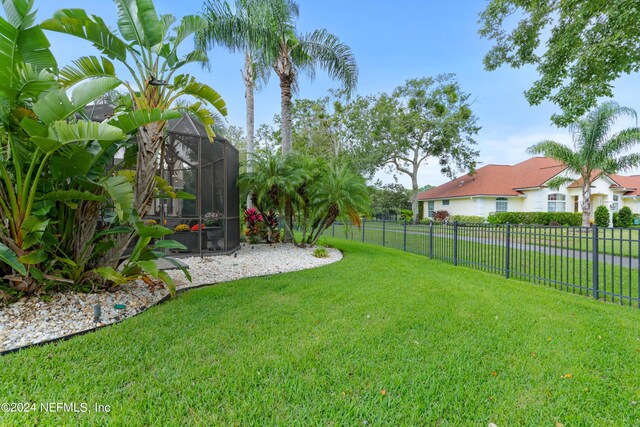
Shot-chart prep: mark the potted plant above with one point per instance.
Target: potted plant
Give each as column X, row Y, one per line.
column 214, row 226
column 183, row 234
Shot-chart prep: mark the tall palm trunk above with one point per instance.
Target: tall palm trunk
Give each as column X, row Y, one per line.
column 248, row 77
column 285, row 100
column 284, row 69
column 586, row 203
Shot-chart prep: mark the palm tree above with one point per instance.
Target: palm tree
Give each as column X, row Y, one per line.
column 149, row 51
column 274, row 184
column 293, row 53
column 596, row 150
column 339, row 193
column 247, row 30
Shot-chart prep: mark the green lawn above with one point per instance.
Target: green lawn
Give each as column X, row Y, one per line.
column 616, row 241
column 448, row 345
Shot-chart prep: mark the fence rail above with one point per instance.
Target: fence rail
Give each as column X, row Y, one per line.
column 593, row 261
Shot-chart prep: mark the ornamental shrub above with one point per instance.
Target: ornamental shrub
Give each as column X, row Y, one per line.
column 539, row 218
column 602, row 216
column 625, row 218
column 440, row 215
column 406, row 214
column 181, row 227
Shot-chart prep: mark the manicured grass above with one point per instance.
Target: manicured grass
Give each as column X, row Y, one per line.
column 447, row 345
column 616, row 241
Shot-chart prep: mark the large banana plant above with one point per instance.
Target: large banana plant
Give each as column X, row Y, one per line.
column 35, row 113
column 55, row 177
column 147, row 46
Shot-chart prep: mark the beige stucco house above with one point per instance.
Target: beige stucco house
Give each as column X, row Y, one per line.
column 522, row 188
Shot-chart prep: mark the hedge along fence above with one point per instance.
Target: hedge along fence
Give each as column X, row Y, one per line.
column 539, row 218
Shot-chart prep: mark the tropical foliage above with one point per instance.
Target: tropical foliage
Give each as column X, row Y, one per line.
column 597, row 150
column 148, row 48
column 61, row 200
column 306, row 192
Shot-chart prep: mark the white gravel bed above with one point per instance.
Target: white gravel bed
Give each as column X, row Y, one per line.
column 32, row 320
column 250, row 261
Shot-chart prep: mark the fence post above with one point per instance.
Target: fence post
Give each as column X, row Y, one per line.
column 595, row 260
column 507, row 261
column 383, row 231
column 363, row 222
column 455, row 243
column 430, row 239
column 405, row 235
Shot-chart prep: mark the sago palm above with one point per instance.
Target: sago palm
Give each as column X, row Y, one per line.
column 148, row 49
column 596, row 150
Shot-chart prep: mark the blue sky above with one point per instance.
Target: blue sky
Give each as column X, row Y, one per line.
column 392, row 41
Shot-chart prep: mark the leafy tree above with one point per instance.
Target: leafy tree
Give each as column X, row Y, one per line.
column 149, row 50
column 293, row 53
column 587, row 45
column 596, row 150
column 387, row 198
column 422, row 119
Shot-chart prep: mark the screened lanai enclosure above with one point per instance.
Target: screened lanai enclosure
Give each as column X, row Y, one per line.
column 207, row 170
column 208, row 221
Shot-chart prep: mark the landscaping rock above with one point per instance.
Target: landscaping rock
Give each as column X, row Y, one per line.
column 32, row 320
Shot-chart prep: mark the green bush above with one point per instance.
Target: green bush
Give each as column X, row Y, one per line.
column 602, row 216
column 540, row 218
column 406, row 214
column 425, row 221
column 624, row 218
column 466, row 219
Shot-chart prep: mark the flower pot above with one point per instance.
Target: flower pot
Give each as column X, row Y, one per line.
column 189, row 239
column 215, row 238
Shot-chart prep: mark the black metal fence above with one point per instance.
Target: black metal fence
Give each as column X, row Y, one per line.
column 593, row 261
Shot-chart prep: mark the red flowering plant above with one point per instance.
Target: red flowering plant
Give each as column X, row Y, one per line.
column 263, row 226
column 197, row 227
column 253, row 221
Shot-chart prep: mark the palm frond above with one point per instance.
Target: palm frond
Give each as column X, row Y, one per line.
column 557, row 151
column 329, row 53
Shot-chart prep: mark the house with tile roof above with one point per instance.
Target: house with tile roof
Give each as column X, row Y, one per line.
column 523, row 188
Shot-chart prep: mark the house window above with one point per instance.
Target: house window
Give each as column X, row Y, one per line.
column 502, row 204
column 430, row 209
column 556, row 202
column 576, row 204
column 445, row 203
column 616, row 203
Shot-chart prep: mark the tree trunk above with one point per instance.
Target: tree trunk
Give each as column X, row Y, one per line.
column 149, row 144
column 414, row 197
column 586, row 204
column 249, row 83
column 285, row 100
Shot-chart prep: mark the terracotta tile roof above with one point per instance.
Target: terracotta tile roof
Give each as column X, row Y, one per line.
column 578, row 184
column 498, row 180
column 631, row 183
